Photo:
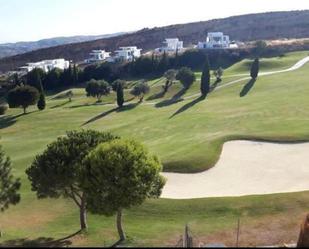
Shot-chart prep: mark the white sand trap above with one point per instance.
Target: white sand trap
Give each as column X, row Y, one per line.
column 246, row 168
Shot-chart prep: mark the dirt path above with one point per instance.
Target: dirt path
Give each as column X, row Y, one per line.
column 246, row 168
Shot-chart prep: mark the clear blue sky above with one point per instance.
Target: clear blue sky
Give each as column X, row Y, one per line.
column 25, row 20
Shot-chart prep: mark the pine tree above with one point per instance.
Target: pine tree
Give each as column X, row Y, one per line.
column 8, row 185
column 255, row 68
column 205, row 80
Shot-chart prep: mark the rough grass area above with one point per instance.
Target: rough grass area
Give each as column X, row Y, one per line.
column 265, row 220
column 187, row 134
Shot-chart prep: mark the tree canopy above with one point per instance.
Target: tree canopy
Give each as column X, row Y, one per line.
column 170, row 76
column 205, row 79
column 9, row 186
column 186, row 77
column 140, row 90
column 23, row 96
column 57, row 171
column 255, row 68
column 97, row 88
column 119, row 175
column 218, row 74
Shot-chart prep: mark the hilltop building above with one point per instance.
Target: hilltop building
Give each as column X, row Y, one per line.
column 98, row 56
column 47, row 65
column 171, row 45
column 216, row 40
column 125, row 54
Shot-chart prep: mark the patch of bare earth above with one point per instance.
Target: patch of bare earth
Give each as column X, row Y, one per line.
column 269, row 230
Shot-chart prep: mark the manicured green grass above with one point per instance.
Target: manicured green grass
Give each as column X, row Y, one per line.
column 187, row 135
column 268, row 64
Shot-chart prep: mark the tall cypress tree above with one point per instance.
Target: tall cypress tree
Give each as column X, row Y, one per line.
column 164, row 63
column 75, row 75
column 41, row 103
column 205, row 79
column 37, row 80
column 120, row 97
column 153, row 63
column 176, row 59
column 255, row 68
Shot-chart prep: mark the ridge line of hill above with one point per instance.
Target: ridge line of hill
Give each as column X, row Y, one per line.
column 249, row 27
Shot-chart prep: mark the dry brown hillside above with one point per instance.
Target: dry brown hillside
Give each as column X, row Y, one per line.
column 272, row 25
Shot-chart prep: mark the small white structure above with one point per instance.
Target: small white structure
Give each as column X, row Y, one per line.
column 98, row 56
column 126, row 54
column 171, row 45
column 215, row 40
column 47, row 65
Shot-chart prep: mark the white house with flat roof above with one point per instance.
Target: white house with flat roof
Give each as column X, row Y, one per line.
column 171, row 45
column 215, row 40
column 126, row 54
column 98, row 56
column 47, row 65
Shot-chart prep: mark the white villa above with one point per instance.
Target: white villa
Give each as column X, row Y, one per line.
column 98, row 56
column 171, row 45
column 126, row 54
column 215, row 40
column 47, row 65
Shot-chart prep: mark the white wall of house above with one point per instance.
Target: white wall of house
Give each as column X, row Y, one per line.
column 215, row 40
column 47, row 65
column 171, row 45
column 126, row 54
column 97, row 56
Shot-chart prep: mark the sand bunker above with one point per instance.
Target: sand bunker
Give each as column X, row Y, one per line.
column 246, row 168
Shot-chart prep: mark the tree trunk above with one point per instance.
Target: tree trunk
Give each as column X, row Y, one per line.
column 83, row 214
column 122, row 236
column 25, row 110
column 166, row 87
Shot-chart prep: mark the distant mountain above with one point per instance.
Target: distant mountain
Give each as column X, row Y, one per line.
column 10, row 49
column 272, row 25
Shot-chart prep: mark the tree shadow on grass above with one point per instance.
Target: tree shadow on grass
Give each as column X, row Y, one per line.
column 188, row 105
column 60, row 105
column 40, row 242
column 117, row 109
column 175, row 99
column 157, row 95
column 214, row 85
column 87, row 105
column 7, row 121
column 246, row 89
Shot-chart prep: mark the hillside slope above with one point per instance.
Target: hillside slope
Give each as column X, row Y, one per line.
column 11, row 49
column 291, row 24
column 184, row 134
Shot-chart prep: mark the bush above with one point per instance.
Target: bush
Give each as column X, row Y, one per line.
column 41, row 103
column 140, row 90
column 186, row 77
column 3, row 109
